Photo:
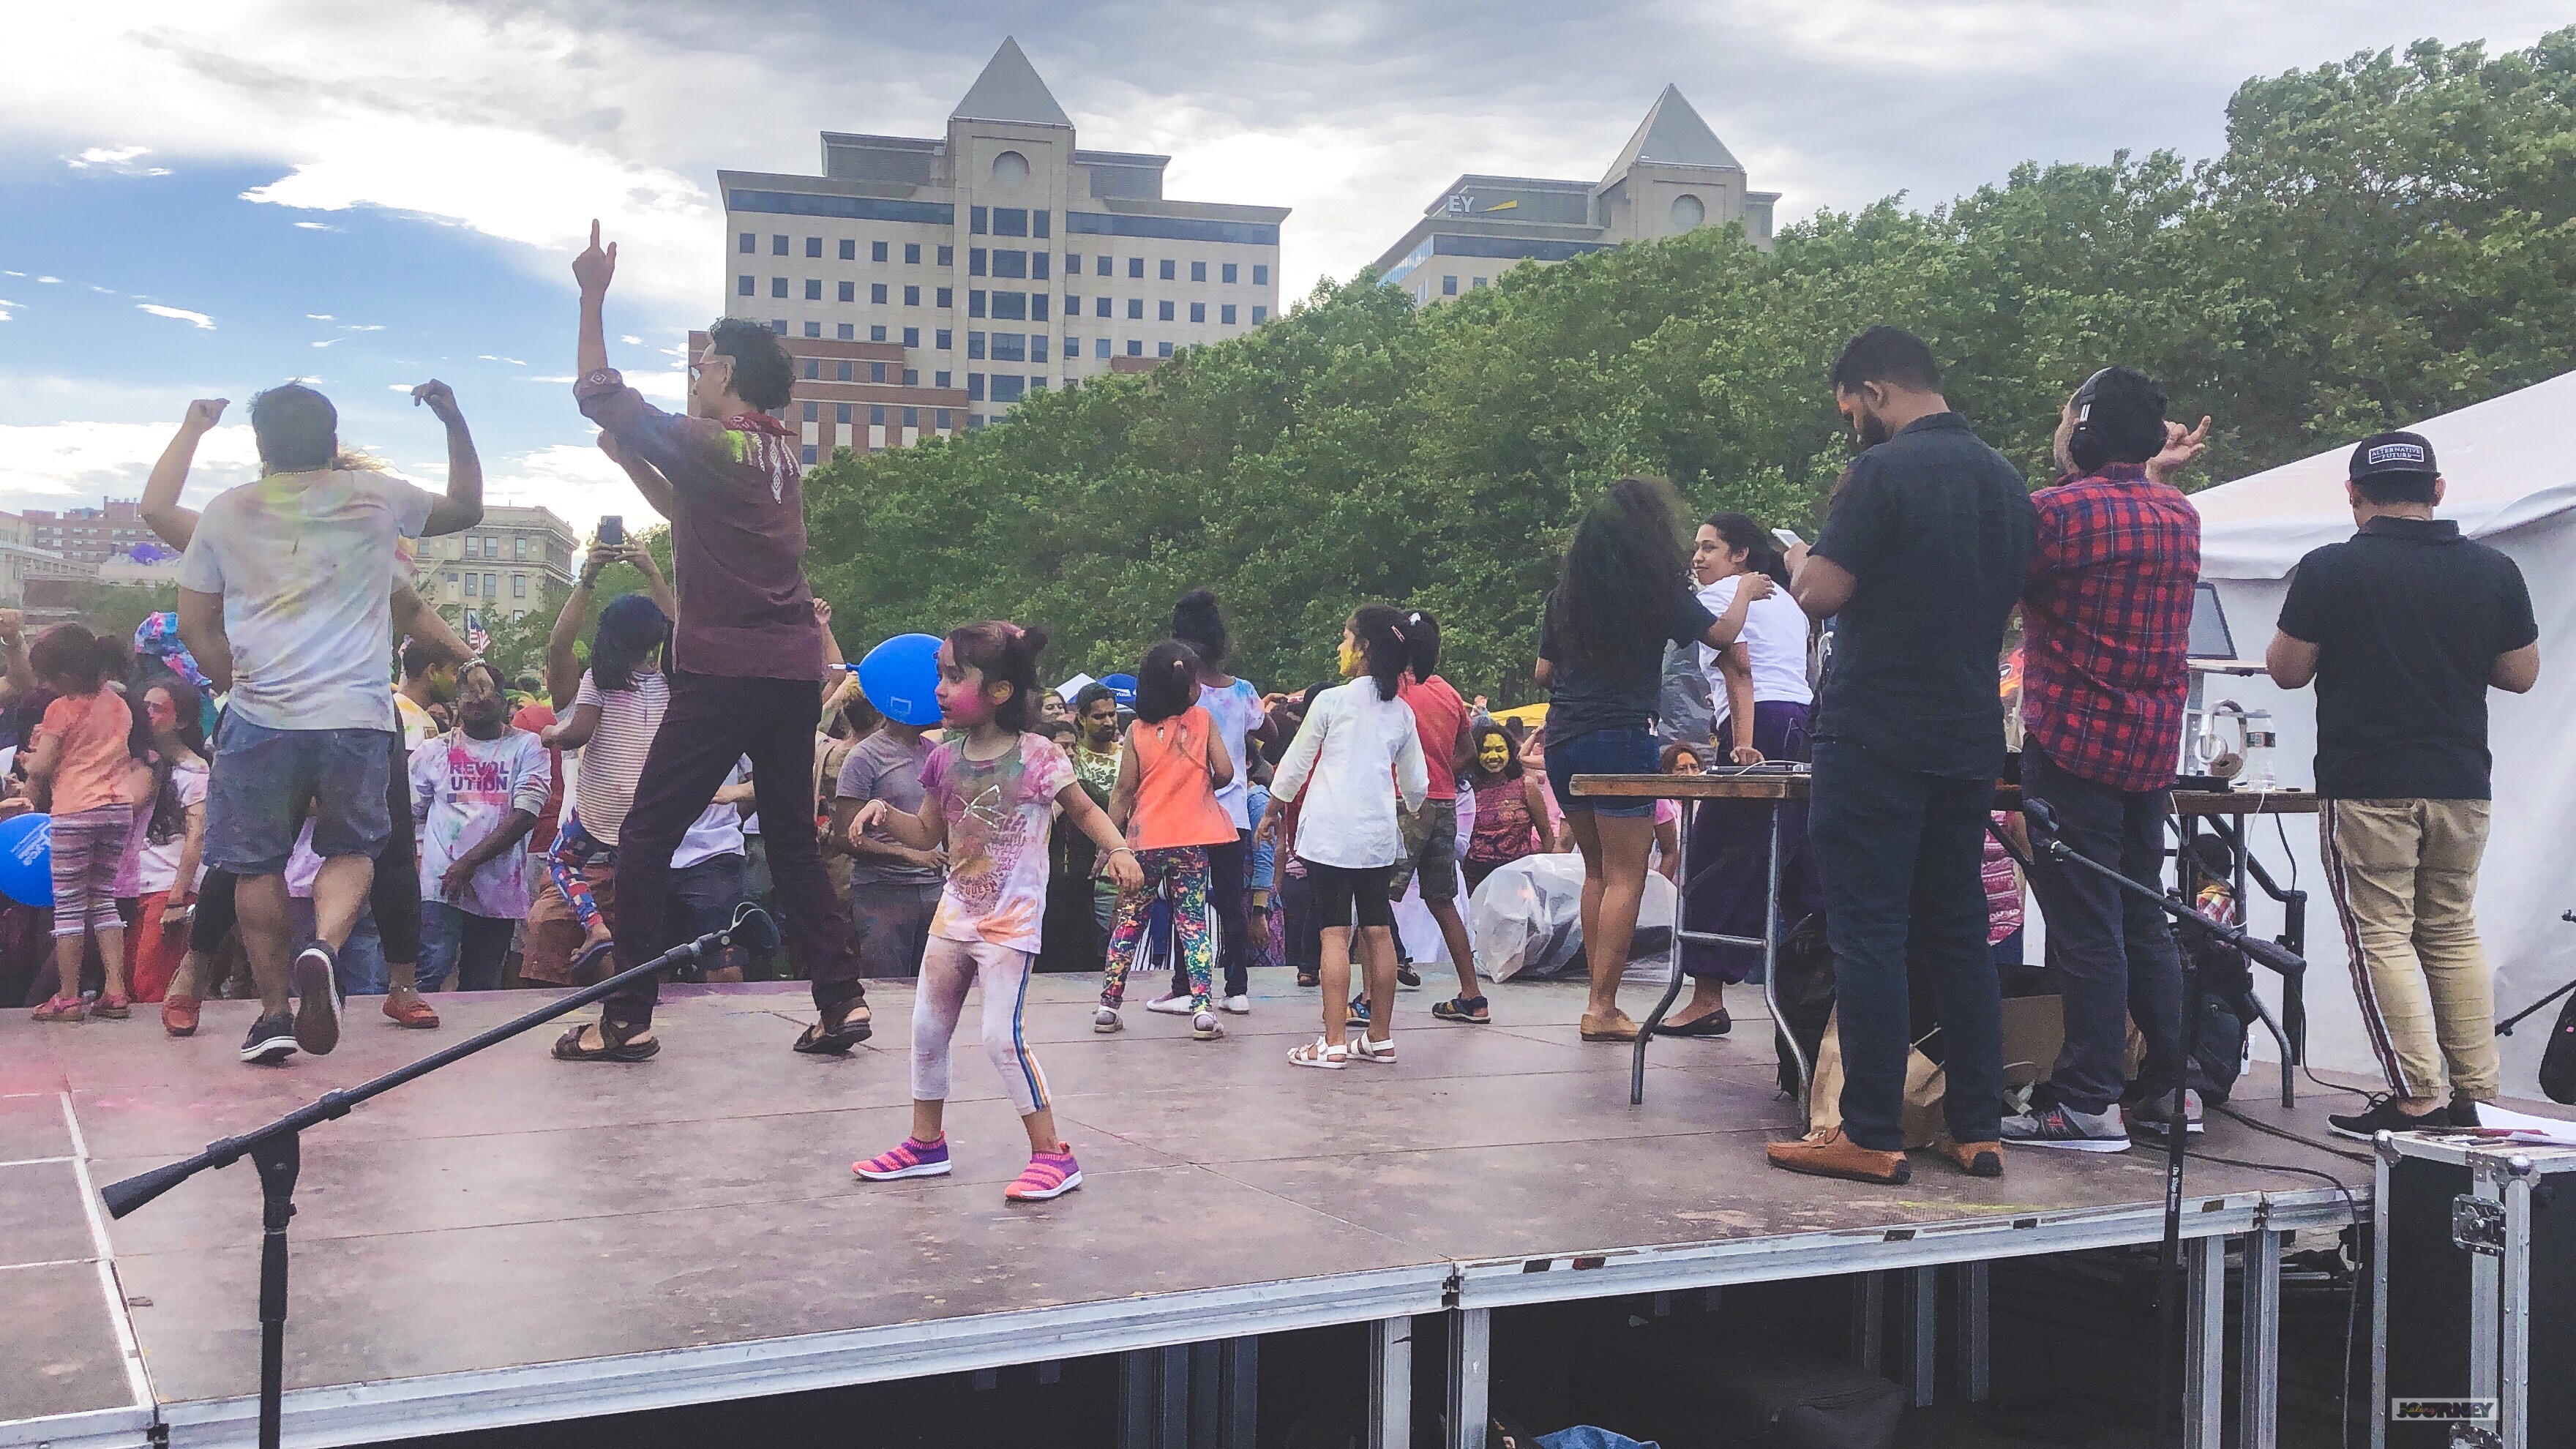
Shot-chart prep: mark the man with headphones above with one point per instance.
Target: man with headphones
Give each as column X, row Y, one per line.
column 2106, row 623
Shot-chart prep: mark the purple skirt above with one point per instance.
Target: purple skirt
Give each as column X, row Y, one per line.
column 1730, row 855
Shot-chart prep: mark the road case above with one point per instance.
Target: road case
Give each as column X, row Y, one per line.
column 2473, row 1290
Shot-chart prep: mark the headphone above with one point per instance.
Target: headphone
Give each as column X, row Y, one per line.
column 2085, row 447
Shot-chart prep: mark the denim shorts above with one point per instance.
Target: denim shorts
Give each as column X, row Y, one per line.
column 264, row 779
column 1628, row 751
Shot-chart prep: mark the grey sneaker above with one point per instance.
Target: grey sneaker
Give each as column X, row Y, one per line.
column 2063, row 1126
column 2153, row 1113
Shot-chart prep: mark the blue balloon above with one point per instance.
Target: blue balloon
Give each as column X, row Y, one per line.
column 27, row 859
column 901, row 678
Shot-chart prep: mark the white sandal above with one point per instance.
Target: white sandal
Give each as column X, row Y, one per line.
column 1320, row 1053
column 1364, row 1049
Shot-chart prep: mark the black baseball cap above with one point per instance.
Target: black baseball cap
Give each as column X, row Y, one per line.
column 2384, row 455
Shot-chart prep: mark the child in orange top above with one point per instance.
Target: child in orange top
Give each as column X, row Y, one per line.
column 1169, row 771
column 86, row 773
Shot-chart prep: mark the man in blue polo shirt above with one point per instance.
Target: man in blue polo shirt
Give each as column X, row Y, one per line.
column 2404, row 628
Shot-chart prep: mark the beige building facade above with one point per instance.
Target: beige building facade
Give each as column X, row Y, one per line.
column 500, row 567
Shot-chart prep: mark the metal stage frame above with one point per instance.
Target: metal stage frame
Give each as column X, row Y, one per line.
column 1189, row 1353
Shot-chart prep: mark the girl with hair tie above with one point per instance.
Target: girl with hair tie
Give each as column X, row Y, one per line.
column 1171, row 772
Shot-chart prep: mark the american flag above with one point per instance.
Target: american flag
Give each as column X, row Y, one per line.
column 477, row 638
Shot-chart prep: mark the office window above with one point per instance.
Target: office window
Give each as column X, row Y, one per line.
column 1073, row 264
column 1099, row 307
column 491, row 586
column 1163, row 311
column 1198, row 311
column 1037, row 347
column 849, row 291
column 1475, row 283
column 1038, row 264
column 939, row 419
column 1448, row 286
column 1260, row 315
column 948, row 256
column 777, row 246
column 1011, row 221
column 811, row 413
column 518, row 586
column 1011, row 306
column 1100, row 348
column 912, row 417
column 808, row 455
column 451, row 576
column 778, row 286
column 847, row 332
column 1073, row 306
column 1162, row 349
column 778, row 325
column 750, row 243
column 1101, row 266
column 911, row 378
column 745, row 286
column 841, row 373
column 947, row 297
column 876, row 416
column 1135, row 348
column 1041, row 223
column 1198, row 271
column 974, row 347
column 975, row 380
column 975, row 257
column 1010, row 347
column 849, row 249
column 1225, row 314
column 1168, row 271
column 1010, row 263
column 1136, row 267
column 876, row 372
column 841, row 412
column 975, row 216
column 813, row 289
column 912, row 296
column 940, row 379
column 1135, row 309
column 974, row 303
column 876, row 251
column 519, row 547
column 912, row 337
column 1261, row 274
column 940, row 339
column 1008, row 387
column 1228, row 274
column 912, row 254
column 1037, row 384
column 876, row 333
column 1038, row 306
column 813, row 370
column 814, row 329
column 814, row 247
column 877, row 293
column 473, row 586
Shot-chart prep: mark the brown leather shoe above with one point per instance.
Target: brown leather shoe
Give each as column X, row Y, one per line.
column 1828, row 1153
column 1618, row 1026
column 1976, row 1159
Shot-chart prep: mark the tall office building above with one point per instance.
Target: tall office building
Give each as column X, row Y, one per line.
column 1672, row 176
column 926, row 284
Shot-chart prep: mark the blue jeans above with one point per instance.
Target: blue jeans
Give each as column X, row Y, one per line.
column 265, row 778
column 1603, row 752
column 1899, row 855
column 703, row 898
column 475, row 947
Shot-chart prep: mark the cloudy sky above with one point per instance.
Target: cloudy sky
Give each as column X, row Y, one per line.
column 201, row 199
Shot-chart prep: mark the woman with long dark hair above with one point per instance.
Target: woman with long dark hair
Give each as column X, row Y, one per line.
column 165, row 851
column 1623, row 591
column 1761, row 677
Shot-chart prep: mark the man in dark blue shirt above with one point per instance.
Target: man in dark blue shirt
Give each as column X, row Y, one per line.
column 1925, row 548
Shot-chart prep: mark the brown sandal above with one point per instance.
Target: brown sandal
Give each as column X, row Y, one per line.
column 615, row 1045
column 854, row 1027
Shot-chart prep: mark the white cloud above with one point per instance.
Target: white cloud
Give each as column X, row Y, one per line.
column 318, row 226
column 317, row 317
column 327, row 341
column 367, row 327
column 5, row 314
column 576, row 480
column 102, row 291
column 83, row 462
column 632, row 341
column 51, row 281
column 489, row 357
column 120, row 159
column 179, row 314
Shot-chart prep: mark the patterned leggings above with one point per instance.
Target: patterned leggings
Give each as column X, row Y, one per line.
column 947, row 969
column 1182, row 872
column 88, row 846
column 574, row 850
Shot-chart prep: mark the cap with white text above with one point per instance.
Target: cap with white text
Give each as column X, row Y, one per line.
column 2386, row 455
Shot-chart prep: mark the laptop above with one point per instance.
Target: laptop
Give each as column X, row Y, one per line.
column 2212, row 646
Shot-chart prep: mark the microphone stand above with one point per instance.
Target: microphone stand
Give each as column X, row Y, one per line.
column 2506, row 1026
column 274, row 1149
column 2046, row 841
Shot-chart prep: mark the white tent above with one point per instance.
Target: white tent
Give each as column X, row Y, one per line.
column 2512, row 485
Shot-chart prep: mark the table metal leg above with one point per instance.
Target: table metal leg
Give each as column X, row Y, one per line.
column 1390, row 1406
column 1975, row 1320
column 1470, row 1361
column 1771, row 974
column 1672, row 988
column 1922, row 1334
column 2258, row 1357
column 1869, row 1321
column 2204, row 1338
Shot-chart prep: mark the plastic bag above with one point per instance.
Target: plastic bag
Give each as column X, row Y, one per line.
column 1526, row 922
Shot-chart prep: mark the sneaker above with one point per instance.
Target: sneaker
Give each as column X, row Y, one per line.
column 271, row 1040
column 1049, row 1175
column 1176, row 1004
column 1206, row 1027
column 1105, row 1020
column 2063, row 1126
column 1238, row 1005
column 2465, row 1115
column 1359, row 1011
column 2384, row 1115
column 406, row 1009
column 911, row 1158
column 1828, row 1153
column 2151, row 1114
column 317, row 1000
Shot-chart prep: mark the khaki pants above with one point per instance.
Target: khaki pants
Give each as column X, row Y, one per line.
column 2405, row 880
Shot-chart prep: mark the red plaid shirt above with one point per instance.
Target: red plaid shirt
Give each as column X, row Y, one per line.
column 2107, row 624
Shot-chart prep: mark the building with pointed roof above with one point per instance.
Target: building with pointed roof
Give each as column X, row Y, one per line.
column 1672, row 176
column 894, row 274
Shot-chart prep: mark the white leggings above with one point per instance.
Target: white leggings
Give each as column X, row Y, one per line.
column 947, row 969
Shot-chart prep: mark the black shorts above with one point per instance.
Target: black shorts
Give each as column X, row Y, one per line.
column 1343, row 895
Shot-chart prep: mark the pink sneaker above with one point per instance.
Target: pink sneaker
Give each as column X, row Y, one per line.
column 1048, row 1175
column 913, row 1158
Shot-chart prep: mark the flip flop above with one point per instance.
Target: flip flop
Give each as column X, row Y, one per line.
column 614, row 1046
column 855, row 1027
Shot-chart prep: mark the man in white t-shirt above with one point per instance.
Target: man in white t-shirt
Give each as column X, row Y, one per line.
column 476, row 792
column 282, row 600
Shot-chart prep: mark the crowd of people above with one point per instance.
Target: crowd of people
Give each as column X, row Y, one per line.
column 329, row 833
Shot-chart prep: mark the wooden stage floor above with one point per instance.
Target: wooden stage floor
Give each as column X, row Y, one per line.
column 518, row 1240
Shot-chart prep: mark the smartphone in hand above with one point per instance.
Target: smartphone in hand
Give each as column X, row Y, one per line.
column 612, row 530
column 1786, row 537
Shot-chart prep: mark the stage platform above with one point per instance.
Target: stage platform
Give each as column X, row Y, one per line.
column 516, row 1240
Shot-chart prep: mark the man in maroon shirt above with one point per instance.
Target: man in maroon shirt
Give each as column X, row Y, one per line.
column 746, row 663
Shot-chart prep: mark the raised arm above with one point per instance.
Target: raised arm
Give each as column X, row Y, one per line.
column 462, row 508
column 648, row 480
column 161, row 511
column 22, row 675
column 415, row 620
column 563, row 668
column 591, row 271
column 1820, row 585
